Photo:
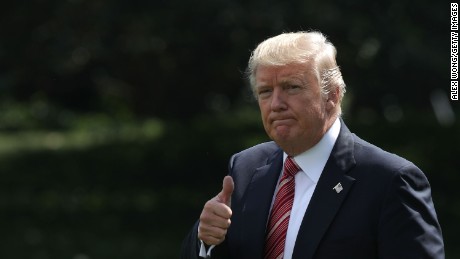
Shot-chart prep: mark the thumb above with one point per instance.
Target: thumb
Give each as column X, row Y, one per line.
column 227, row 189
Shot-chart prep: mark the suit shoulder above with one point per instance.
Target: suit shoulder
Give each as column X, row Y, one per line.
column 367, row 154
column 390, row 170
column 265, row 148
column 256, row 155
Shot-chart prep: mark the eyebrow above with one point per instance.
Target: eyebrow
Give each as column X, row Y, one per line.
column 297, row 79
column 289, row 79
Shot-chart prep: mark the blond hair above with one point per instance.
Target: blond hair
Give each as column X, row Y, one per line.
column 300, row 48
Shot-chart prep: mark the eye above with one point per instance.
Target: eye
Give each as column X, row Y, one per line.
column 293, row 88
column 264, row 92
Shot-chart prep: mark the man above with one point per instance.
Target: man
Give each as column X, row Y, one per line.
column 316, row 191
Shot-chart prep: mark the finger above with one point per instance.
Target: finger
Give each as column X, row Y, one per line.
column 216, row 232
column 211, row 235
column 227, row 189
column 210, row 240
column 217, row 208
column 216, row 214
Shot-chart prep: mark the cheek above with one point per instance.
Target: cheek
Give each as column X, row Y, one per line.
column 263, row 115
column 264, row 111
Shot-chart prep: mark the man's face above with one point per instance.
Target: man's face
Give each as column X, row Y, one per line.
column 294, row 112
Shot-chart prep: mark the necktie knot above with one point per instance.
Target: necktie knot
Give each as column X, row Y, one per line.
column 290, row 167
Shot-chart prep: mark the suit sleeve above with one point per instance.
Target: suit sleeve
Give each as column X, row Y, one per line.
column 408, row 226
column 191, row 246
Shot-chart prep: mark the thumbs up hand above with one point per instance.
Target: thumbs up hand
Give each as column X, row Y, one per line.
column 216, row 214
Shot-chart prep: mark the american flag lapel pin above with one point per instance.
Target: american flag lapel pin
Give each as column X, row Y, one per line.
column 338, row 188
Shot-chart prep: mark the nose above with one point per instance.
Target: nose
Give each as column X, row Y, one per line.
column 278, row 100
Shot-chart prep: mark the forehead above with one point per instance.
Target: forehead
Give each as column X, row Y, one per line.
column 265, row 74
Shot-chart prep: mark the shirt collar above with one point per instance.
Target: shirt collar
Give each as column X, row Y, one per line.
column 313, row 161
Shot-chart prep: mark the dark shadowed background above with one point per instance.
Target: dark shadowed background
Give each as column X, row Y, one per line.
column 117, row 118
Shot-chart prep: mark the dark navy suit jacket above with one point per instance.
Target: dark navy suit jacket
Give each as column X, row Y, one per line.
column 384, row 211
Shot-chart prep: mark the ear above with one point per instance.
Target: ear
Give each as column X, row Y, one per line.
column 332, row 99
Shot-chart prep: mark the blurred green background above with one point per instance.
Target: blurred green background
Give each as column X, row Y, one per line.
column 117, row 118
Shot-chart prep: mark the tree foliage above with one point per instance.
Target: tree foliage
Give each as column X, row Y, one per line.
column 118, row 117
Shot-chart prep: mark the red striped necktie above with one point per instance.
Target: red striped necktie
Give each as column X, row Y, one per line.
column 281, row 211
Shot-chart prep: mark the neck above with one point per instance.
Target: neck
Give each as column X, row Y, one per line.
column 294, row 149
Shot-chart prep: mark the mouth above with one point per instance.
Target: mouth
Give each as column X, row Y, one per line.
column 281, row 121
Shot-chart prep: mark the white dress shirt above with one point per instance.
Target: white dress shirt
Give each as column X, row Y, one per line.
column 311, row 163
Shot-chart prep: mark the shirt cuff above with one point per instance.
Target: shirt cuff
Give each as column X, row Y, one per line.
column 203, row 252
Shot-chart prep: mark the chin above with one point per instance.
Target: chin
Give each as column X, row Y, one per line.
column 280, row 138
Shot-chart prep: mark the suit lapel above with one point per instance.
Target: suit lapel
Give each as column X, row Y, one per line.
column 257, row 205
column 326, row 201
